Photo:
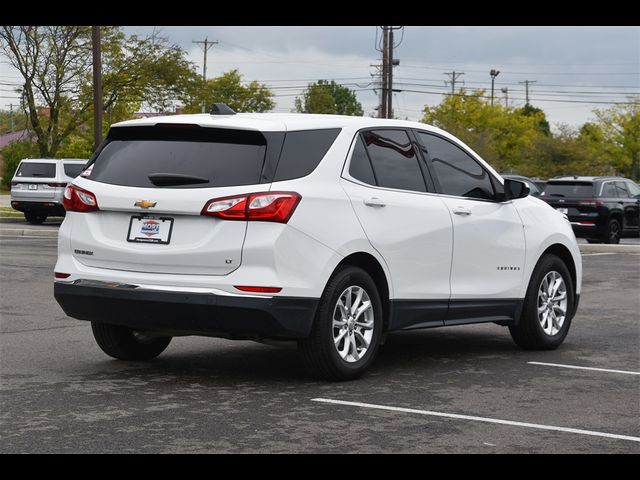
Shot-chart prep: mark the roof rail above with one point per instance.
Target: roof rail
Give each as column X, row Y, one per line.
column 221, row 109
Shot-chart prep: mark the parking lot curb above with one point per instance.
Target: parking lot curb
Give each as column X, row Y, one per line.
column 604, row 248
column 28, row 232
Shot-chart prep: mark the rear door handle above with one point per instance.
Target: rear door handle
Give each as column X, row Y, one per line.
column 374, row 202
column 461, row 211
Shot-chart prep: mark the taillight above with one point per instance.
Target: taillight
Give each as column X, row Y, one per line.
column 263, row 206
column 76, row 199
column 61, row 275
column 246, row 288
column 57, row 184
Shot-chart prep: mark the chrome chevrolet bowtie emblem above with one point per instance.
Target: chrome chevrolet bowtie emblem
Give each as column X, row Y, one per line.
column 145, row 204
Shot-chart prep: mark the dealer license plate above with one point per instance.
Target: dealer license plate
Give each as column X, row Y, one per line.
column 145, row 229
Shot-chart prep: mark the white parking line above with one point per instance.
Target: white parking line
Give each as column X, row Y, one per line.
column 594, row 254
column 479, row 419
column 627, row 372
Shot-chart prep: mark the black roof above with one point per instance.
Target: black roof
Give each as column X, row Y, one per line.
column 585, row 178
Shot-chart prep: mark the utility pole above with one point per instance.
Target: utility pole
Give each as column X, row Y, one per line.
column 453, row 77
column 526, row 86
column 97, row 87
column 11, row 117
column 207, row 45
column 385, row 72
column 494, row 73
column 505, row 90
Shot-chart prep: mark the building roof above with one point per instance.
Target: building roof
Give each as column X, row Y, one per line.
column 8, row 138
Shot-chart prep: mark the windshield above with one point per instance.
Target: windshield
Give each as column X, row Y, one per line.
column 32, row 169
column 196, row 157
column 568, row 189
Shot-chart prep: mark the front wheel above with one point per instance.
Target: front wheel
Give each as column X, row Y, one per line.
column 347, row 328
column 548, row 307
column 126, row 344
column 613, row 233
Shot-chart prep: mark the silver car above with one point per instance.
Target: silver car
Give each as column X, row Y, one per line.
column 38, row 185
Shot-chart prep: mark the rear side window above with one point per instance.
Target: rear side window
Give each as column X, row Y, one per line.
column 188, row 156
column 569, row 189
column 458, row 173
column 609, row 190
column 32, row 169
column 73, row 169
column 360, row 166
column 302, row 152
column 394, row 160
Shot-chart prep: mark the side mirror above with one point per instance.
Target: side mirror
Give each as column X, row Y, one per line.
column 515, row 189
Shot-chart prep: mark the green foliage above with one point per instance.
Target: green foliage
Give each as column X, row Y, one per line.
column 19, row 121
column 519, row 140
column 228, row 88
column 56, row 65
column 12, row 154
column 329, row 97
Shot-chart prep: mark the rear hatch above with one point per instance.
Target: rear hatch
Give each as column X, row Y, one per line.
column 34, row 181
column 151, row 184
column 573, row 198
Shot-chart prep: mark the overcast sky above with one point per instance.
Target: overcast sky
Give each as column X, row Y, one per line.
column 571, row 66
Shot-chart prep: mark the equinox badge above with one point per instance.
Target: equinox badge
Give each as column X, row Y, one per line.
column 145, row 204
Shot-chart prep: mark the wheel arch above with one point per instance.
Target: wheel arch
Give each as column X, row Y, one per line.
column 564, row 254
column 372, row 266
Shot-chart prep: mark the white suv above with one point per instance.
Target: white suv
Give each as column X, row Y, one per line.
column 38, row 184
column 328, row 230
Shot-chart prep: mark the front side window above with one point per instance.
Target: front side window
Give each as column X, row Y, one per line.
column 394, row 160
column 634, row 190
column 622, row 190
column 458, row 173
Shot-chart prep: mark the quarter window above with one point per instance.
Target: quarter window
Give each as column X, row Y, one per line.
column 459, row 174
column 360, row 166
column 622, row 190
column 394, row 159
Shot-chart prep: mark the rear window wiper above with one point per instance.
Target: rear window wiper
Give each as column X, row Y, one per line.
column 172, row 179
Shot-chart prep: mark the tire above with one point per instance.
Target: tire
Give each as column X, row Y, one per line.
column 613, row 232
column 125, row 344
column 529, row 333
column 35, row 218
column 319, row 352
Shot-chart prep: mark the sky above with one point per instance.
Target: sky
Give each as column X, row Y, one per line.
column 575, row 69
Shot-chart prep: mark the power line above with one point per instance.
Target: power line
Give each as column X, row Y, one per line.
column 526, row 86
column 453, row 76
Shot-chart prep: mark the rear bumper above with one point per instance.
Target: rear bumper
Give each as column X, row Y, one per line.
column 191, row 313
column 48, row 207
column 587, row 231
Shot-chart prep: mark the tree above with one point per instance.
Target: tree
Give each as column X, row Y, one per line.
column 228, row 88
column 620, row 142
column 503, row 136
column 55, row 63
column 19, row 121
column 531, row 111
column 329, row 97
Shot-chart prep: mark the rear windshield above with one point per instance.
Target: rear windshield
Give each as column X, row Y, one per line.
column 569, row 189
column 73, row 169
column 182, row 156
column 31, row 169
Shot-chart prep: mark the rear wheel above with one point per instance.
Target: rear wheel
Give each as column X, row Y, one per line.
column 548, row 307
column 614, row 232
column 35, row 218
column 126, row 344
column 347, row 328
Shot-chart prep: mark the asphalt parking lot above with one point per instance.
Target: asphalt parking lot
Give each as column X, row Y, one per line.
column 457, row 390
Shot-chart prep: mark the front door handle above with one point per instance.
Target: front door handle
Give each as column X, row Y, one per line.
column 374, row 202
column 461, row 211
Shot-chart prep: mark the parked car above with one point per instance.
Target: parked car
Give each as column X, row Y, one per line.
column 533, row 186
column 600, row 209
column 327, row 230
column 541, row 184
column 38, row 184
